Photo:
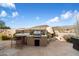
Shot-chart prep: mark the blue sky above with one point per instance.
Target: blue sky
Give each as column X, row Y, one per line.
column 22, row 15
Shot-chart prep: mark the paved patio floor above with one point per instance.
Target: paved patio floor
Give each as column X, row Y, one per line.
column 54, row 48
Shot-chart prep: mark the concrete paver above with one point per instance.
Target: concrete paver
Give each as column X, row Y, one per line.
column 54, row 48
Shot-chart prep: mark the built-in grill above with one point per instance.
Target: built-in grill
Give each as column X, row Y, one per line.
column 37, row 35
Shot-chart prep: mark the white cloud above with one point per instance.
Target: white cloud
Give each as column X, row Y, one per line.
column 14, row 14
column 9, row 5
column 3, row 14
column 37, row 18
column 66, row 15
column 53, row 20
column 62, row 17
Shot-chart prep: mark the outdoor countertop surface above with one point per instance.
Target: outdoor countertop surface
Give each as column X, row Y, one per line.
column 17, row 35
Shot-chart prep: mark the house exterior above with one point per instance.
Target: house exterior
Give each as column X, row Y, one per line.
column 32, row 37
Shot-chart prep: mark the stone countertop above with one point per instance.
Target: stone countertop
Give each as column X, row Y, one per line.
column 28, row 35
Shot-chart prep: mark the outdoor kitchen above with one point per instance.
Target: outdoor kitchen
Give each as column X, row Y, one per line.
column 32, row 37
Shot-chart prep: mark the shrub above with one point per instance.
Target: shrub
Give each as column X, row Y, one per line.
column 0, row 36
column 4, row 37
column 68, row 38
